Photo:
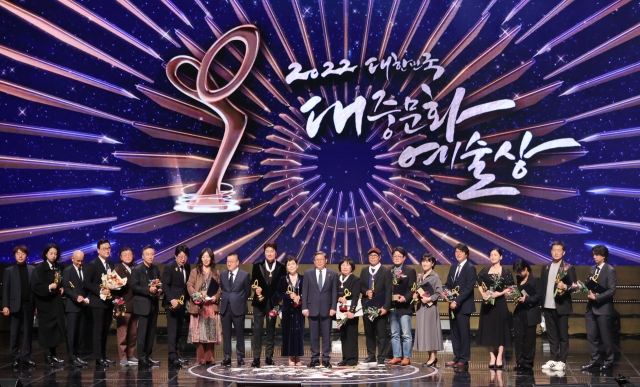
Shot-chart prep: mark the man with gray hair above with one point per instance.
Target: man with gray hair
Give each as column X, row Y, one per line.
column 319, row 300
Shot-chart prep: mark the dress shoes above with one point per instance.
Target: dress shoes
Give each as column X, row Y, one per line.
column 435, row 361
column 405, row 362
column 606, row 368
column 16, row 364
column 369, row 360
column 589, row 366
column 28, row 363
column 269, row 361
column 56, row 360
column 226, row 362
column 460, row 365
column 144, row 363
column 84, row 363
column 255, row 363
column 175, row 363
column 395, row 361
column 326, row 364
column 101, row 363
column 314, row 364
column 240, row 361
column 183, row 361
column 76, row 363
column 153, row 362
column 109, row 361
column 342, row 363
column 451, row 363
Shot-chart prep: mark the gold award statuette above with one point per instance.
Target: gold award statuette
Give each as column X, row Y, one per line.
column 484, row 289
column 373, row 285
column 255, row 287
column 180, row 302
column 347, row 293
column 422, row 293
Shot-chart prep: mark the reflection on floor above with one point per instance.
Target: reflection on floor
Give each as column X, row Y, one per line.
column 477, row 374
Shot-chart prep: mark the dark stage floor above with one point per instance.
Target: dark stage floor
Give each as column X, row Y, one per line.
column 478, row 374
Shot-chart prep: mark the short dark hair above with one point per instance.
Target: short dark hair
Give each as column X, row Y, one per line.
column 122, row 250
column 462, row 247
column 49, row 247
column 520, row 265
column 22, row 248
column 230, row 254
column 429, row 257
column 273, row 245
column 289, row 258
column 558, row 243
column 349, row 261
column 499, row 250
column 320, row 252
column 101, row 242
column 148, row 247
column 200, row 265
column 600, row 250
column 400, row 250
column 182, row 249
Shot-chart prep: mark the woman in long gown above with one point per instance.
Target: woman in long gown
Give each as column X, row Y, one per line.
column 46, row 284
column 494, row 330
column 289, row 291
column 205, row 329
column 428, row 335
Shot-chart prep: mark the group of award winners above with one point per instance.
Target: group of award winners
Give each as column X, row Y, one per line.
column 385, row 297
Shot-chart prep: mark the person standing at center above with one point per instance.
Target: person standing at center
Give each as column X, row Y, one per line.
column 145, row 305
column 76, row 307
column 319, row 300
column 268, row 273
column 127, row 323
column 236, row 287
column 174, row 286
column 403, row 278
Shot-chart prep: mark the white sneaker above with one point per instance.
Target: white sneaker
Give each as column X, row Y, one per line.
column 559, row 366
column 548, row 365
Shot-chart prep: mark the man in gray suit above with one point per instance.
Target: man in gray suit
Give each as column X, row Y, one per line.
column 319, row 300
column 599, row 312
column 236, row 287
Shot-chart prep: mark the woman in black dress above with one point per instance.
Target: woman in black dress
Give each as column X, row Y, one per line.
column 289, row 291
column 493, row 329
column 349, row 284
column 46, row 284
column 526, row 316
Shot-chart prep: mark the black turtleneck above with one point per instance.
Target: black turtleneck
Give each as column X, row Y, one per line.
column 25, row 288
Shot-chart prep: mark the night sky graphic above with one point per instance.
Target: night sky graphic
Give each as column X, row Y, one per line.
column 584, row 196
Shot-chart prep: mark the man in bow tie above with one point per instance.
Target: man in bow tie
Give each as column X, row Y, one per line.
column 174, row 286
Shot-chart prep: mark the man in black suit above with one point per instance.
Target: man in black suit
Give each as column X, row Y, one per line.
column 18, row 302
column 174, row 286
column 236, row 287
column 145, row 305
column 267, row 272
column 76, row 307
column 599, row 312
column 463, row 276
column 102, row 310
column 403, row 278
column 375, row 279
column 319, row 300
column 557, row 306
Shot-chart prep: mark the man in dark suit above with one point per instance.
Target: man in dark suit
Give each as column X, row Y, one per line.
column 18, row 302
column 375, row 279
column 76, row 307
column 102, row 310
column 319, row 300
column 174, row 286
column 267, row 272
column 463, row 276
column 127, row 324
column 403, row 278
column 145, row 305
column 557, row 306
column 236, row 287
column 599, row 312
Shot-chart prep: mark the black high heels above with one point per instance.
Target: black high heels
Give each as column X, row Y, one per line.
column 431, row 364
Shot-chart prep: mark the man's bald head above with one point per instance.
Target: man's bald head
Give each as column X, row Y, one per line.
column 77, row 258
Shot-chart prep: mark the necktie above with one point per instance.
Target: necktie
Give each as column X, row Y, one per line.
column 80, row 275
column 457, row 272
column 320, row 280
column 597, row 270
column 230, row 280
column 182, row 272
column 106, row 266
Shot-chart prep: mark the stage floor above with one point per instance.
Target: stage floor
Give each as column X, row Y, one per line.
column 478, row 374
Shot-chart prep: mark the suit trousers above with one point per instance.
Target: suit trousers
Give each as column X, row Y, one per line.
column 320, row 326
column 24, row 318
column 76, row 322
column 238, row 323
column 101, row 324
column 600, row 337
column 259, row 315
column 349, row 340
column 376, row 334
column 147, row 326
column 558, row 334
column 127, row 335
column 460, row 337
column 524, row 341
column 175, row 319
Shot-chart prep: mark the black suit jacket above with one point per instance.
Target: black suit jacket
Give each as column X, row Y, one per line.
column 12, row 288
column 607, row 278
column 70, row 276
column 260, row 273
column 563, row 301
column 93, row 280
column 408, row 279
column 143, row 300
column 466, row 281
column 235, row 297
column 354, row 285
column 281, row 294
column 381, row 283
column 173, row 284
column 531, row 305
column 319, row 301
column 126, row 293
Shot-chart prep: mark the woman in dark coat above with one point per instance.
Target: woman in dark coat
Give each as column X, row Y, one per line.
column 289, row 291
column 46, row 284
column 349, row 331
column 527, row 315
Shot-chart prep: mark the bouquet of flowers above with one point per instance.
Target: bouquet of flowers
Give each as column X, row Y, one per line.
column 372, row 312
column 579, row 286
column 562, row 272
column 497, row 283
column 513, row 293
column 119, row 308
column 344, row 319
column 112, row 281
column 155, row 282
column 274, row 312
column 197, row 298
column 57, row 277
column 450, row 295
column 397, row 276
column 419, row 282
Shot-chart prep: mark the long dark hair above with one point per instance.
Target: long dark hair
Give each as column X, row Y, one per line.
column 199, row 264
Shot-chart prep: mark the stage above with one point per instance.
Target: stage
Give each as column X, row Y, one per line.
column 477, row 374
